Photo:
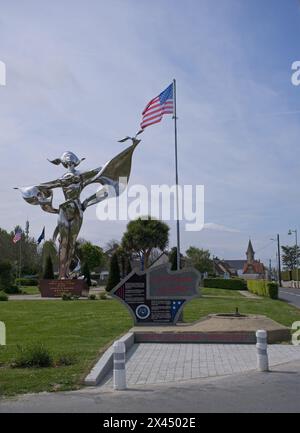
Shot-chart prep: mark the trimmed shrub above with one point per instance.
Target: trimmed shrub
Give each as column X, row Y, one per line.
column 67, row 296
column 13, row 290
column 86, row 273
column 48, row 273
column 34, row 356
column 272, row 289
column 3, row 296
column 27, row 281
column 288, row 275
column 6, row 277
column 222, row 283
column 114, row 273
column 263, row 288
column 92, row 297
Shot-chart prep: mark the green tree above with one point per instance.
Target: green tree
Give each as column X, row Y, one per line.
column 6, row 277
column 128, row 266
column 48, row 273
column 290, row 257
column 200, row 259
column 86, row 273
column 91, row 254
column 49, row 249
column 143, row 235
column 114, row 273
column 173, row 258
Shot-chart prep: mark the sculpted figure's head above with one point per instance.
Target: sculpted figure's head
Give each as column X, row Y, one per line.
column 68, row 160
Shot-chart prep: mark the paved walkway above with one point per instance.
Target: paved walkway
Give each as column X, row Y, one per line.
column 254, row 391
column 249, row 294
column 150, row 363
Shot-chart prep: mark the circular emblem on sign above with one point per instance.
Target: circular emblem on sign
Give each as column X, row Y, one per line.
column 142, row 311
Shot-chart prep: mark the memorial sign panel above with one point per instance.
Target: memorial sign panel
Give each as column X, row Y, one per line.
column 157, row 296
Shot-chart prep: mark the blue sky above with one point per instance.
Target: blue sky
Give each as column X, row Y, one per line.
column 80, row 73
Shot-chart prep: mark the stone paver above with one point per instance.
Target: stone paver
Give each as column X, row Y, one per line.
column 154, row 363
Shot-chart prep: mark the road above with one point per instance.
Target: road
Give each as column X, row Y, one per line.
column 276, row 391
column 290, row 295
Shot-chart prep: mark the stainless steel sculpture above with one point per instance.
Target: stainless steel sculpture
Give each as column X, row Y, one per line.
column 70, row 213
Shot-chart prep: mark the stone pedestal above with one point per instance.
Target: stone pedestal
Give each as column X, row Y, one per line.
column 56, row 288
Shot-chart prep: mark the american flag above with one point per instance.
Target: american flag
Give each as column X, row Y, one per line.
column 17, row 236
column 157, row 107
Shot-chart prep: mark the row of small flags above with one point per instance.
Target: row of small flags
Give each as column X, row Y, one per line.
column 18, row 235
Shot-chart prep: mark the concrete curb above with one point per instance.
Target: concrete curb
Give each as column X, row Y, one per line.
column 105, row 364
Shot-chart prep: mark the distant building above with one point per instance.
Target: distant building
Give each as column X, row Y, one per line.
column 253, row 269
column 248, row 269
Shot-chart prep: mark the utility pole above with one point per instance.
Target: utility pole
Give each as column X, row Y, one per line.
column 297, row 263
column 279, row 265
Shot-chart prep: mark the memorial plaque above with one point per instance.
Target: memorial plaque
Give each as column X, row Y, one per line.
column 157, row 295
column 56, row 288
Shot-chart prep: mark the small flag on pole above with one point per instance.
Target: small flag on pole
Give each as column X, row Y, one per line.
column 158, row 106
column 41, row 237
column 18, row 235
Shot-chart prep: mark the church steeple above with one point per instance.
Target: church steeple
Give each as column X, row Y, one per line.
column 250, row 253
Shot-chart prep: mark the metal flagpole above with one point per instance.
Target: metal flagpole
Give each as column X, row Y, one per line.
column 20, row 264
column 176, row 175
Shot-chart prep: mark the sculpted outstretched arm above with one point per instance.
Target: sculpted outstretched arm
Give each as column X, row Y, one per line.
column 50, row 185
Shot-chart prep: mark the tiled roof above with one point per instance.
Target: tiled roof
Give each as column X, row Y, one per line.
column 254, row 268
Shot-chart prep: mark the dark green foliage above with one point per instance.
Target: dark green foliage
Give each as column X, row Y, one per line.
column 48, row 273
column 67, row 296
column 27, row 281
column 128, row 266
column 221, row 283
column 34, row 356
column 6, row 276
column 10, row 252
column 3, row 296
column 91, row 254
column 290, row 256
column 143, row 235
column 263, row 288
column 114, row 273
column 173, row 259
column 200, row 259
column 49, row 249
column 86, row 273
column 13, row 290
column 92, row 297
column 272, row 289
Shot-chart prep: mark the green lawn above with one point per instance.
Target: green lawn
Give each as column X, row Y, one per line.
column 207, row 291
column 30, row 290
column 279, row 311
column 79, row 328
column 83, row 328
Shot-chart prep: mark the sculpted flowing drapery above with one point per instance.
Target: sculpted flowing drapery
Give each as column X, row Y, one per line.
column 114, row 174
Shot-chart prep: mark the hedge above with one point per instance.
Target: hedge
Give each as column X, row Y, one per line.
column 288, row 275
column 263, row 288
column 221, row 283
column 27, row 281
